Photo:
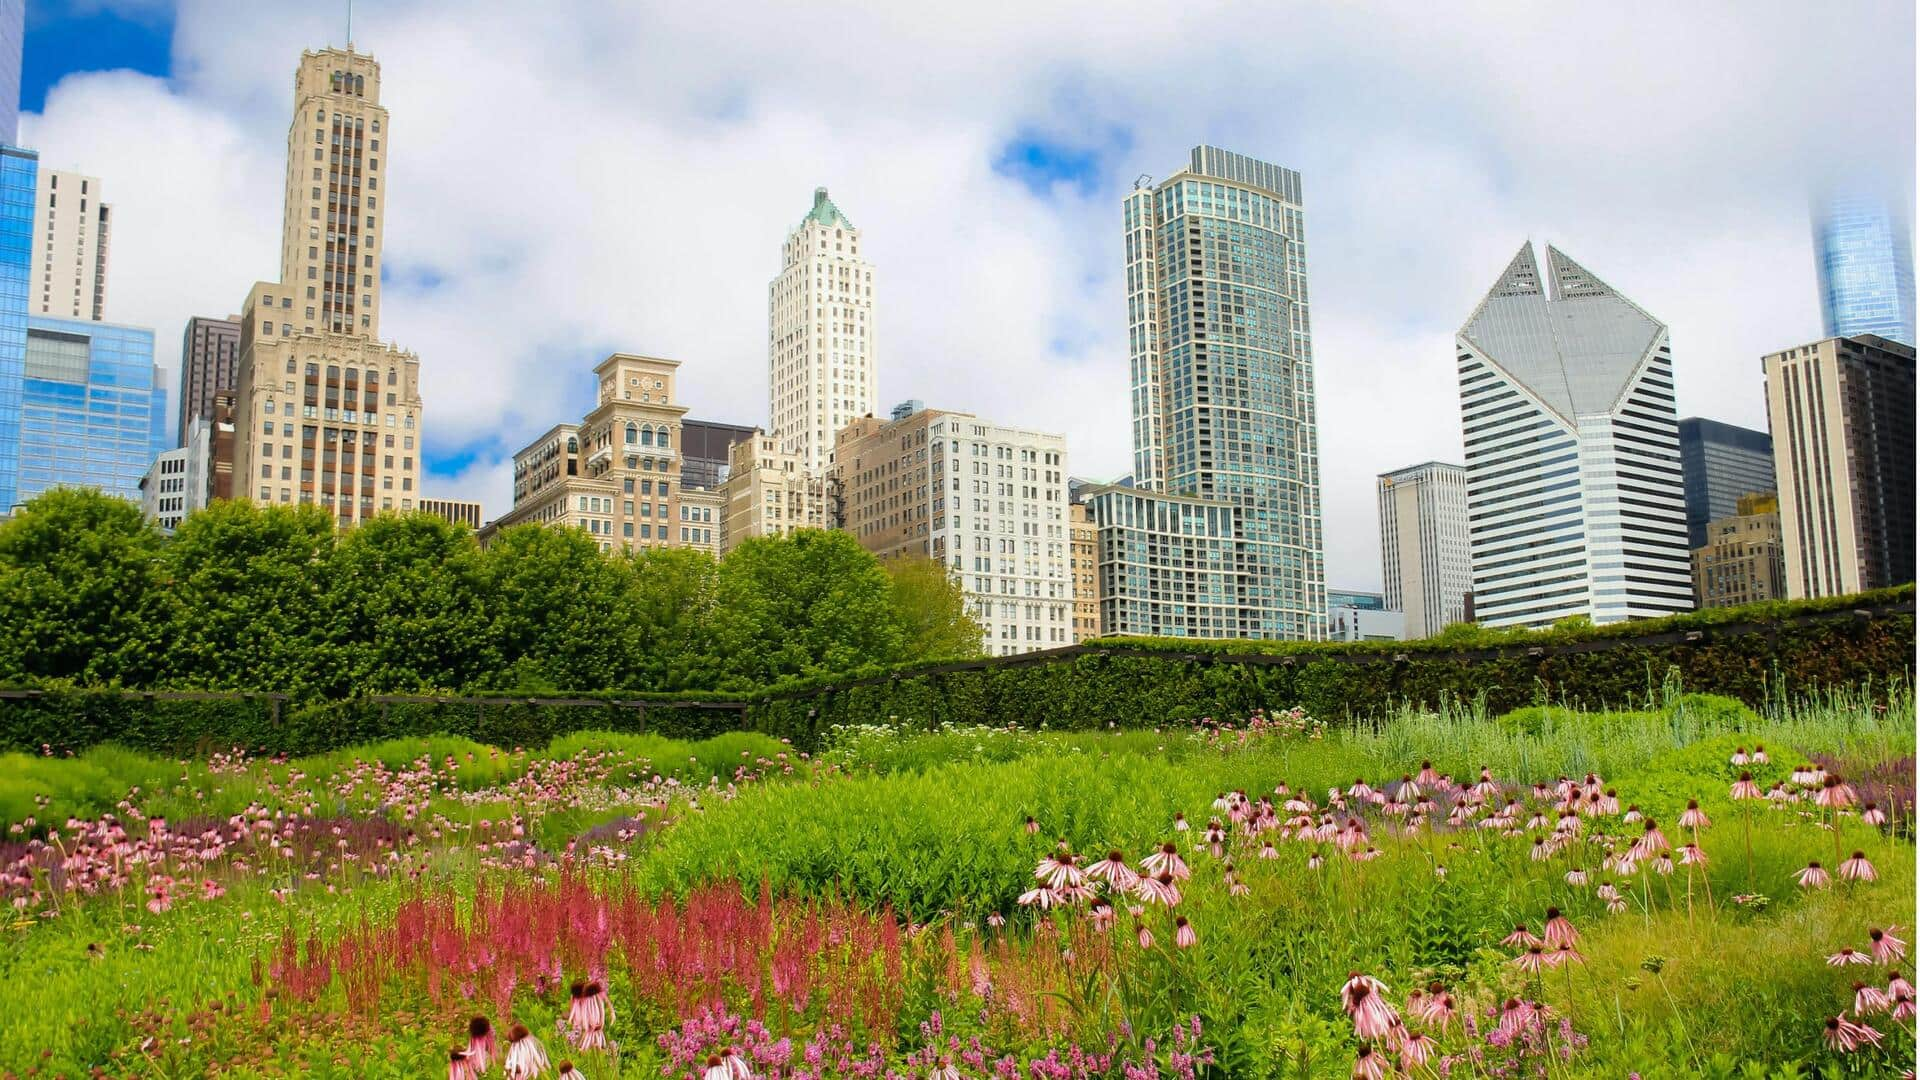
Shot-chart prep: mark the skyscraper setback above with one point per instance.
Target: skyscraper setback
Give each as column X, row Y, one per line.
column 1226, row 455
column 820, row 335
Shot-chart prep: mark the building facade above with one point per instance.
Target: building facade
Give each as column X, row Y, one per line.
column 19, row 172
column 1424, row 557
column 1169, row 564
column 180, row 480
column 1575, row 500
column 1743, row 560
column 93, row 411
column 458, row 511
column 769, row 492
column 706, row 449
column 71, row 229
column 209, row 366
column 1720, row 464
column 820, row 336
column 987, row 501
column 327, row 414
column 1221, row 367
column 13, row 41
column 1346, row 623
column 1841, row 412
column 1863, row 255
column 1083, row 559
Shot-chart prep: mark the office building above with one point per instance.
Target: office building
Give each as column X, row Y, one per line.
column 1221, row 369
column 705, row 451
column 329, row 414
column 93, row 412
column 820, row 336
column 1863, row 255
column 702, row 511
column 1358, row 599
column 1720, row 464
column 1575, row 500
column 1347, row 622
column 19, row 172
column 1083, row 559
column 71, row 229
column 768, row 492
column 1743, row 560
column 209, row 366
column 989, row 502
column 458, row 511
column 180, row 480
column 1841, row 412
column 1424, row 559
column 13, row 41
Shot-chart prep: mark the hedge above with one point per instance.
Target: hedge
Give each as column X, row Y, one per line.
column 1758, row 654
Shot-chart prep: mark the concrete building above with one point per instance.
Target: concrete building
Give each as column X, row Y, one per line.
column 1424, row 557
column 1221, row 368
column 328, row 414
column 1083, row 559
column 457, row 511
column 616, row 473
column 1720, row 464
column 1743, row 560
column 706, row 447
column 987, row 501
column 1841, row 412
column 1863, row 254
column 71, row 227
column 180, row 481
column 1575, row 501
column 768, row 492
column 93, row 412
column 820, row 336
column 209, row 367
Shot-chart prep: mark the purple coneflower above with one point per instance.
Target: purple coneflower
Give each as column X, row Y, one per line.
column 1032, row 826
column 1183, row 935
column 566, row 1071
column 480, row 1044
column 1871, row 814
column 1858, row 868
column 1316, row 860
column 1060, row 870
column 525, row 1057
column 1372, row 1016
column 1427, row 775
column 1514, row 1015
column 1848, row 955
column 1744, row 788
column 1868, row 1000
column 996, row 920
column 1144, row 936
column 1158, row 890
column 1114, row 871
column 1558, row 931
column 1835, row 794
column 1416, row 1050
column 1759, row 754
column 1520, row 938
column 944, row 1070
column 1360, row 790
column 1165, row 861
column 1268, row 851
column 459, row 1067
column 1576, row 876
column 1180, row 822
column 1652, row 841
column 1845, row 1036
column 1739, row 756
column 1369, row 1065
column 1887, row 949
column 1040, row 896
column 1693, row 817
column 1813, row 877
column 1691, row 855
column 1532, row 960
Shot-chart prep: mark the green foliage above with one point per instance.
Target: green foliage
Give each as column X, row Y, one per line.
column 81, row 594
column 807, row 604
column 933, row 610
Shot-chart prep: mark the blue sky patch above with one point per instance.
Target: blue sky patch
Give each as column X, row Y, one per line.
column 1042, row 162
column 61, row 41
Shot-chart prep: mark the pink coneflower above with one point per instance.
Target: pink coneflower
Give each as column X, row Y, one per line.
column 1180, row 822
column 1416, row 1050
column 1652, row 841
column 1813, row 877
column 1609, row 803
column 1887, row 949
column 566, row 1071
column 1744, row 788
column 1407, row 791
column 1633, row 815
column 996, row 920
column 1427, row 775
column 736, row 1064
column 1369, row 1065
column 1898, row 986
column 1778, row 793
column 1565, row 953
column 480, row 1044
column 1691, row 855
column 1360, row 790
column 945, row 1070
column 1144, row 936
column 1158, row 890
column 1372, row 1016
column 1873, row 815
column 1693, row 817
column 1032, row 826
column 1114, row 871
column 1041, row 897
column 1514, row 1015
column 1166, row 861
column 525, row 1057
column 1532, row 960
column 1835, row 794
column 1848, row 955
column 1868, row 1000
column 1739, row 756
column 1845, row 1036
column 1576, row 877
column 1558, row 931
column 1520, row 938
column 1268, row 851
column 1440, row 1008
column 1858, row 868
column 1060, row 870
column 1183, row 935
column 1101, row 914
column 1316, row 860
column 459, row 1067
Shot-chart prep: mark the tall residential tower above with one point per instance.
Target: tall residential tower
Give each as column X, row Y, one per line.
column 70, row 233
column 1423, row 545
column 820, row 344
column 1575, row 502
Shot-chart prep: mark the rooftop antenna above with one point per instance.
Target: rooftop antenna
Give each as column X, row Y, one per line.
column 349, row 25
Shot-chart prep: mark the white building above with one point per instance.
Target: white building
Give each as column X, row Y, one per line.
column 1423, row 545
column 820, row 342
column 179, row 481
column 70, row 227
column 1575, row 502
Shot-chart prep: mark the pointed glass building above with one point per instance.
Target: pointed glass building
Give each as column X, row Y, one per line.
column 1575, row 502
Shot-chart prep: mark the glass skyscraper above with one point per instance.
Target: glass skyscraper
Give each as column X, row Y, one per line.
column 1719, row 464
column 19, row 177
column 1864, row 255
column 94, row 410
column 13, row 40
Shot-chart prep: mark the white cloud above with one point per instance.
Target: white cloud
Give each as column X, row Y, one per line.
column 588, row 176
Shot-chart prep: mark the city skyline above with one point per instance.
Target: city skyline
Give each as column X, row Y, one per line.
column 993, row 220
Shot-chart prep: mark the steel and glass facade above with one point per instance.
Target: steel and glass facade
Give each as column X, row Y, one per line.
column 19, row 178
column 13, row 42
column 1169, row 566
column 94, row 412
column 1721, row 463
column 1221, row 366
column 1864, row 256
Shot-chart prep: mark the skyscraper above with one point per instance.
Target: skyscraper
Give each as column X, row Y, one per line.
column 1423, row 545
column 326, row 412
column 1719, row 463
column 820, row 335
column 94, row 409
column 1575, row 502
column 1841, row 411
column 13, row 40
column 70, row 234
column 1224, row 436
column 209, row 366
column 18, row 172
column 1864, row 256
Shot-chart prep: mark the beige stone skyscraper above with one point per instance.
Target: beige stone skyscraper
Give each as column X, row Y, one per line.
column 820, row 344
column 70, row 233
column 327, row 413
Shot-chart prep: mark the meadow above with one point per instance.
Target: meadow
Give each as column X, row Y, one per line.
column 1689, row 889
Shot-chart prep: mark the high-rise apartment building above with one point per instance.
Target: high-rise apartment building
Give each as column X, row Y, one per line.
column 93, row 408
column 768, row 492
column 1575, row 500
column 71, row 226
column 1842, row 416
column 19, row 170
column 1221, row 358
column 209, row 366
column 820, row 336
column 457, row 511
column 1083, row 559
column 1720, row 464
column 706, row 449
column 1743, row 560
column 327, row 413
column 1424, row 557
column 989, row 502
column 1863, row 254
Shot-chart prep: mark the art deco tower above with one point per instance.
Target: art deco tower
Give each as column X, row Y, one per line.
column 820, row 341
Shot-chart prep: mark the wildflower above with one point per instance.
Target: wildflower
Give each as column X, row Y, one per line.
column 1873, row 815
column 1521, row 937
column 1835, row 794
column 1166, row 861
column 1887, row 949
column 1369, row 1065
column 1576, row 876
column 525, row 1057
column 1416, row 1050
column 1694, row 817
column 459, row 1066
column 944, row 1070
column 1652, row 841
column 1858, row 868
column 1898, row 986
column 1739, row 756
column 996, row 920
column 1558, row 931
column 568, row 1072
column 1316, row 860
column 1041, row 896
column 1372, row 1016
column 1813, row 877
column 1180, row 822
column 1744, row 788
column 1114, row 871
column 1633, row 814
column 1158, row 890
column 1848, row 955
column 1532, row 960
column 1268, row 851
column 1514, row 1016
column 1183, row 935
column 1060, row 870
column 1565, row 953
column 1691, row 855
column 1440, row 1007
column 1101, row 913
column 480, row 1044
column 1427, row 774
column 1032, row 826
column 1845, row 1036
column 1144, row 936
column 1868, row 1000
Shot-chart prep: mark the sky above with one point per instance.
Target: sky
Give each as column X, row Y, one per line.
column 574, row 178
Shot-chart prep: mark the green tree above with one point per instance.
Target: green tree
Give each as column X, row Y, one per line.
column 82, row 591
column 250, row 598
column 808, row 603
column 933, row 611
column 560, row 611
column 671, row 638
column 405, row 607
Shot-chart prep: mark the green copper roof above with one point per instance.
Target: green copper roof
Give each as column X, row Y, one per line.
column 825, row 212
